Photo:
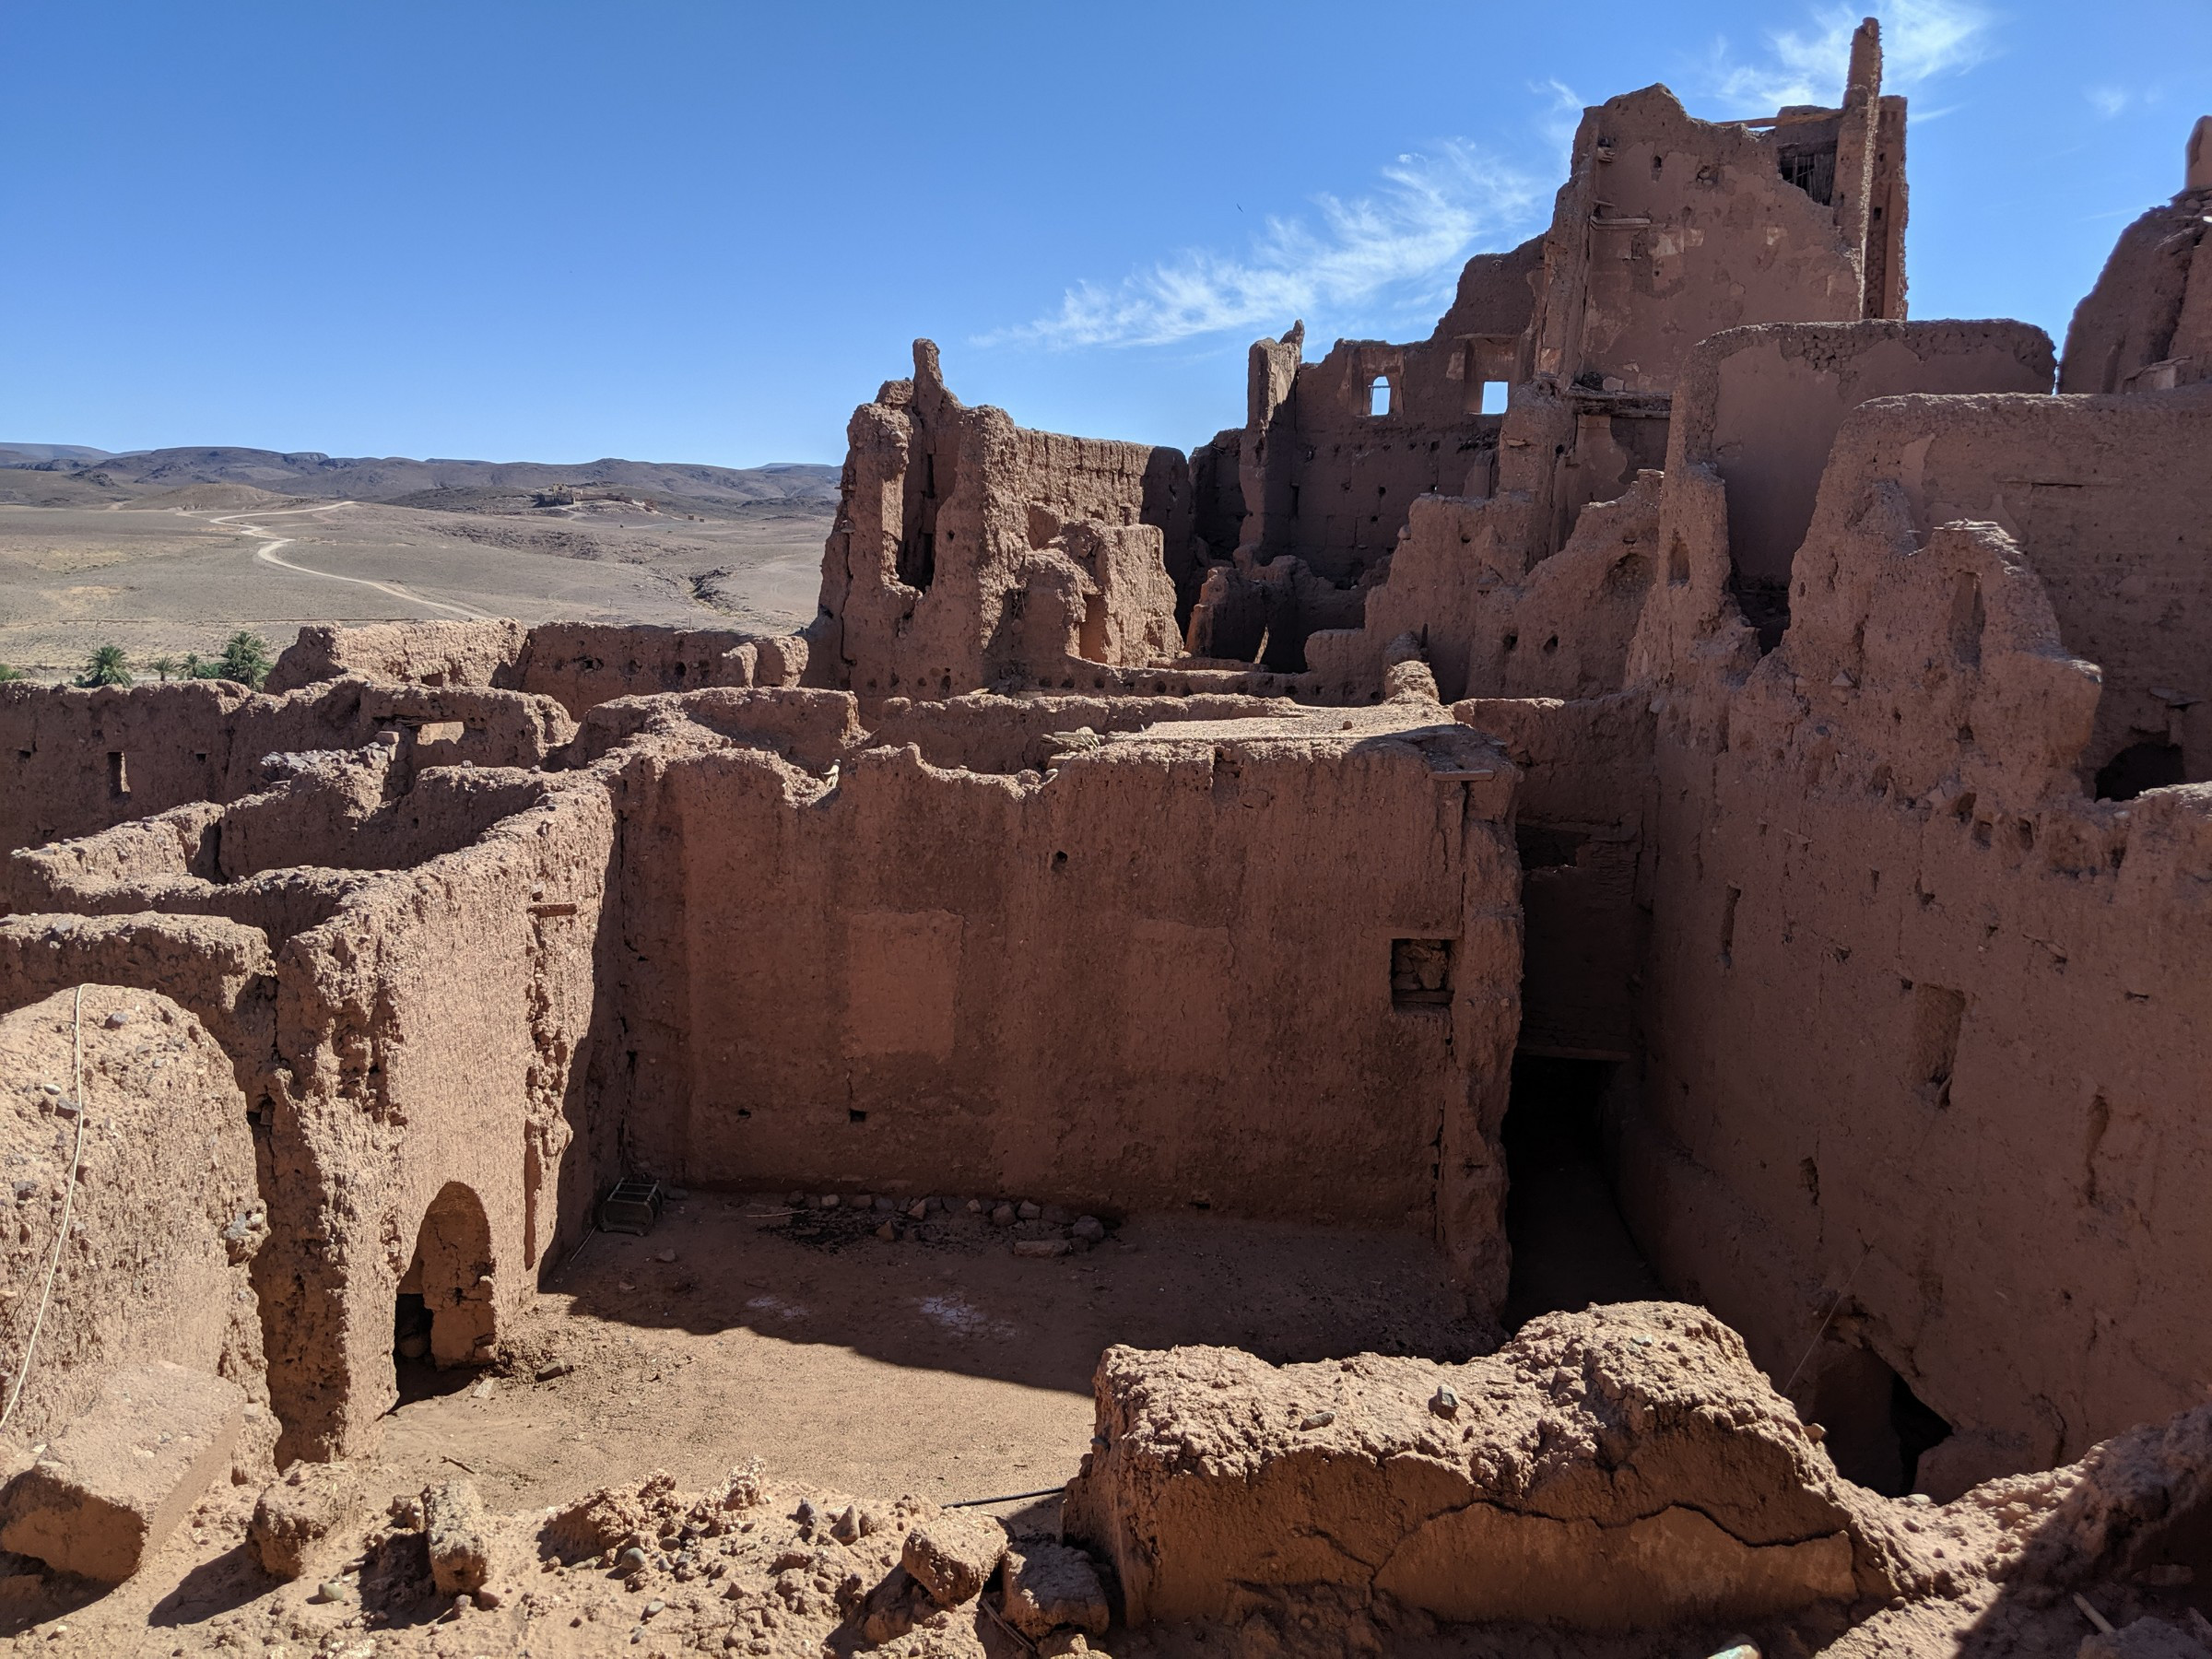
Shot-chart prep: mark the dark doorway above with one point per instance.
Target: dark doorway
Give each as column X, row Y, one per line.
column 1570, row 1247
column 413, row 1376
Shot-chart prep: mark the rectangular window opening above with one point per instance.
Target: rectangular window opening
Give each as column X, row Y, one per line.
column 118, row 777
column 1493, row 397
column 1379, row 395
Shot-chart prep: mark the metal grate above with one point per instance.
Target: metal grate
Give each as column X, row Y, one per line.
column 632, row 1207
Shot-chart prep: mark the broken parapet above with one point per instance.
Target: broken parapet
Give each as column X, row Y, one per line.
column 1624, row 1469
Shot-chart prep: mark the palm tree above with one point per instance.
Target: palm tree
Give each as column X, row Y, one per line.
column 246, row 659
column 166, row 667
column 109, row 667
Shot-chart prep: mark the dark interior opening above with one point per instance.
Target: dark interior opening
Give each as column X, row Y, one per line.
column 1919, row 1428
column 2150, row 764
column 410, row 1328
column 1812, row 168
column 1765, row 606
column 1420, row 973
column 1877, row 1429
column 918, row 560
column 1570, row 1246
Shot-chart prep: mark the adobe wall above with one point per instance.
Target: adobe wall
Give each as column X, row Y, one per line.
column 1761, row 406
column 1489, row 627
column 415, row 1047
column 1579, row 824
column 2112, row 504
column 1184, row 936
column 220, row 971
column 166, row 1217
column 2151, row 307
column 1920, row 1021
column 578, row 664
column 1671, row 229
column 986, row 732
column 1219, row 1486
column 67, row 751
column 437, row 1031
column 280, row 861
column 807, row 727
column 968, row 550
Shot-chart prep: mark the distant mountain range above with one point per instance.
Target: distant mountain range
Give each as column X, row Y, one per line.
column 71, row 474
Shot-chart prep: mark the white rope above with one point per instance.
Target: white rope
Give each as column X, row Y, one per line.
column 68, row 1203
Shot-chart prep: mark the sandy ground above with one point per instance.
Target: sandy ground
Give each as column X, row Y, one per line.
column 953, row 1369
column 950, row 1369
column 168, row 581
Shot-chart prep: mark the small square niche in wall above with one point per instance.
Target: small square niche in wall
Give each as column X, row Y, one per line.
column 1420, row 973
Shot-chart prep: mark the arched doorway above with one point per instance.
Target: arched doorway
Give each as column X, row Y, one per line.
column 447, row 1313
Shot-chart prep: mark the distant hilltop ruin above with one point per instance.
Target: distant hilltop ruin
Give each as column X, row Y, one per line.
column 1682, row 673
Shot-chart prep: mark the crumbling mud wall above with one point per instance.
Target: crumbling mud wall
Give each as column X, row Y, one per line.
column 1885, row 820
column 2148, row 324
column 281, row 861
column 413, row 1049
column 434, row 1034
column 1488, row 625
column 1668, row 230
column 219, row 969
column 1761, row 407
column 2109, row 501
column 82, row 761
column 166, row 1217
column 1179, row 935
column 1580, row 820
column 985, row 732
column 969, row 550
column 1219, row 1486
column 1336, row 451
column 578, row 664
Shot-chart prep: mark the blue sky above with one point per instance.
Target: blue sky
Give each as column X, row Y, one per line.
column 703, row 232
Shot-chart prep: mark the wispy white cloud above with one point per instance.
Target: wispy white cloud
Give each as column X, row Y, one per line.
column 1401, row 244
column 2109, row 102
column 1561, row 118
column 1921, row 40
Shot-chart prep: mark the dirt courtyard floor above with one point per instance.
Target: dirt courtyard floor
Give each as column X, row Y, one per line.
column 943, row 1366
column 950, row 1369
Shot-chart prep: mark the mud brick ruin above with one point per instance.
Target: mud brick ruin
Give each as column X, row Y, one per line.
column 1680, row 675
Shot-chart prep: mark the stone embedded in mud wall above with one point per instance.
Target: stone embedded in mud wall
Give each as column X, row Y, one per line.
column 115, row 1483
column 1619, row 1469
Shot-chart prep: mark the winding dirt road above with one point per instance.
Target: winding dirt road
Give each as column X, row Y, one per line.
column 266, row 554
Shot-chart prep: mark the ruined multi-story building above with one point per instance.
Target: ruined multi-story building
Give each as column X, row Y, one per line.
column 1788, row 721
